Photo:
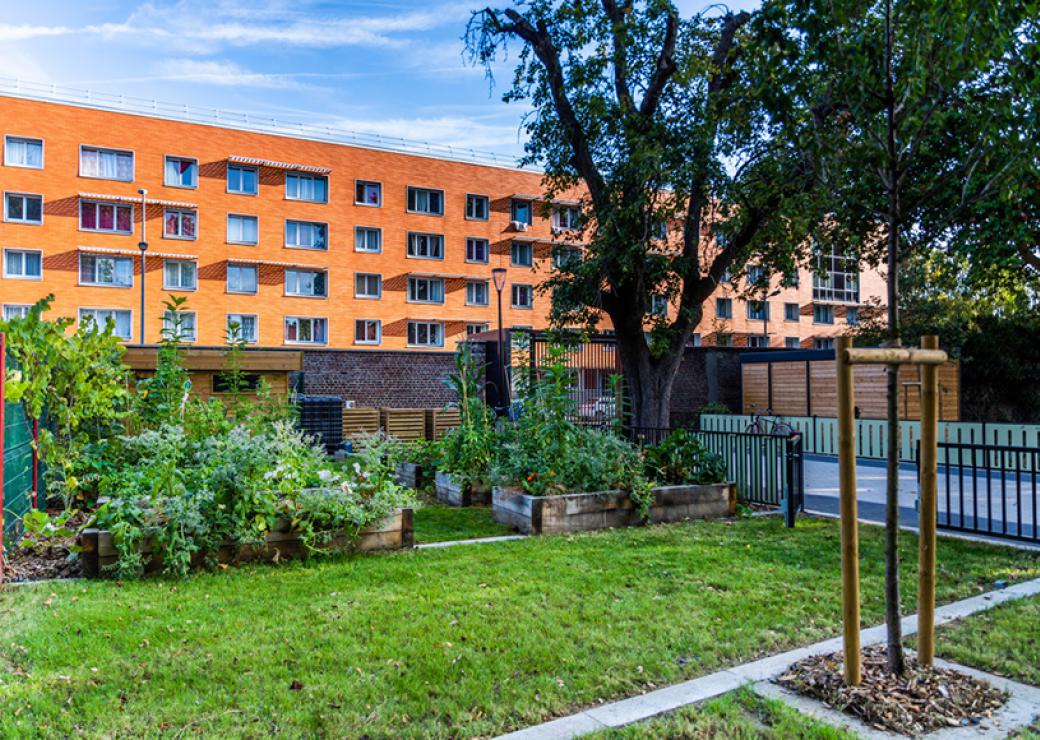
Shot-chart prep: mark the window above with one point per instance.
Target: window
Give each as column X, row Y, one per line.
column 306, row 235
column 95, row 269
column 425, row 334
column 523, row 296
column 658, row 305
column 242, row 229
column 368, row 239
column 756, row 275
column 181, row 327
column 472, row 329
column 724, row 308
column 244, row 327
column 757, row 341
column 99, row 317
column 723, row 340
column 114, row 218
column 307, row 283
column 852, row 316
column 477, row 207
column 305, row 330
column 424, row 200
column 792, row 312
column 106, row 164
column 304, row 186
column 695, row 339
column 242, row 180
column 823, row 314
column 23, row 264
column 367, row 331
column 567, row 218
column 477, row 250
column 15, row 311
column 823, row 343
column 726, row 276
column 477, row 293
column 426, row 246
column 241, row 278
column 23, row 209
column 836, row 278
column 179, row 275
column 758, row 310
column 792, row 343
column 520, row 211
column 368, row 193
column 521, row 254
column 22, row 152
column 425, row 290
column 659, row 231
column 179, row 224
column 181, row 172
column 368, row 285
column 566, row 257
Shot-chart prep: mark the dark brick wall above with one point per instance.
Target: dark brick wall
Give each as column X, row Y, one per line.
column 382, row 378
column 706, row 374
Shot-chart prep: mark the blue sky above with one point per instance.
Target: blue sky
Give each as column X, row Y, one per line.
column 392, row 67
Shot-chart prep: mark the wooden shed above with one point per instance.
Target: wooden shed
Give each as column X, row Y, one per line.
column 804, row 383
column 207, row 367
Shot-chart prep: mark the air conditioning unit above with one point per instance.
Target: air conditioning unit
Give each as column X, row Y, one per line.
column 519, row 226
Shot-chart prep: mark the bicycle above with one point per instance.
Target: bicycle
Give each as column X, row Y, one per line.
column 760, row 424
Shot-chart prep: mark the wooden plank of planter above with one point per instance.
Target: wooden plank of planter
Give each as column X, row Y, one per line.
column 404, row 424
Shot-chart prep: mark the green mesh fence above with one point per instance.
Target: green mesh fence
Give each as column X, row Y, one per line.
column 18, row 457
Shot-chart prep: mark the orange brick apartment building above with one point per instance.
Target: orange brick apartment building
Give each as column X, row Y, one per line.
column 302, row 240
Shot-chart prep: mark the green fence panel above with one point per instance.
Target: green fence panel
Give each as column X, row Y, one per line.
column 18, row 459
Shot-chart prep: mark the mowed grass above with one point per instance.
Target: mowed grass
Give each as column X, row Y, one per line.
column 453, row 642
column 740, row 715
column 435, row 522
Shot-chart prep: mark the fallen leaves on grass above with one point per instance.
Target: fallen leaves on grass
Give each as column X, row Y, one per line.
column 920, row 701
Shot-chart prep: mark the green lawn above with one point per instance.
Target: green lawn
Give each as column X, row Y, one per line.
column 452, row 642
column 740, row 715
column 435, row 522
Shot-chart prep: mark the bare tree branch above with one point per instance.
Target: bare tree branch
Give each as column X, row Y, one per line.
column 618, row 18
column 663, row 70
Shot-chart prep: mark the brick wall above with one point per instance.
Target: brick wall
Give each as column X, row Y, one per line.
column 706, row 374
column 394, row 379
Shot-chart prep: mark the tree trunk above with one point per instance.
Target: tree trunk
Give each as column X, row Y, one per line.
column 648, row 381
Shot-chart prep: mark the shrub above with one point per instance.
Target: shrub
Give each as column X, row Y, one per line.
column 715, row 407
column 466, row 450
column 681, row 459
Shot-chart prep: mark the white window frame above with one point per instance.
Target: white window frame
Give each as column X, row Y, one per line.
column 797, row 312
column 180, row 213
column 369, row 322
column 10, row 311
column 359, row 276
column 111, row 150
column 513, row 203
column 372, row 229
column 308, row 223
column 792, row 342
column 513, row 295
column 755, row 339
column 241, row 265
column 167, row 263
column 195, row 183
column 256, row 326
column 27, row 222
column 193, row 336
column 431, row 282
column 128, row 311
column 113, row 257
column 564, row 254
column 823, row 308
column 557, row 220
column 227, row 225
column 728, row 314
column 43, row 151
column 246, row 167
column 416, row 189
column 512, row 253
column 100, row 203
column 7, row 274
column 658, row 305
column 823, row 342
column 285, row 330
column 487, row 250
column 306, row 176
column 487, row 207
column 764, row 305
column 305, row 295
column 487, row 292
column 412, row 327
column 412, row 238
column 379, row 187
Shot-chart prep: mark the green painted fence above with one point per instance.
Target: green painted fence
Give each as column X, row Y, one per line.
column 18, row 457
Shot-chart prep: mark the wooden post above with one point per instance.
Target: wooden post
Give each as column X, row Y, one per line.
column 929, row 472
column 849, row 523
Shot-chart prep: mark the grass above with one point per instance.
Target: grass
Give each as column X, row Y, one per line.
column 452, row 642
column 740, row 715
column 1004, row 640
column 435, row 522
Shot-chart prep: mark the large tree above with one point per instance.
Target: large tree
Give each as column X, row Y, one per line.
column 655, row 120
column 919, row 117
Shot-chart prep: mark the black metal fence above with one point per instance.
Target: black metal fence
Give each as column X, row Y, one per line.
column 991, row 490
column 767, row 469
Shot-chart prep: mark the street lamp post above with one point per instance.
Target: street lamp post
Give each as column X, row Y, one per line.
column 498, row 274
column 143, row 246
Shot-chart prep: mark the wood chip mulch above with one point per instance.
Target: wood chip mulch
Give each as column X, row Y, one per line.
column 922, row 700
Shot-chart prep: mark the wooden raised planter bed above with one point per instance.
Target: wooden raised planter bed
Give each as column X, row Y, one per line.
column 580, row 512
column 394, row 533
column 453, row 494
column 410, row 475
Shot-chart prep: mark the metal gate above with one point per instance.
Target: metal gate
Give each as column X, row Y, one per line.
column 596, row 366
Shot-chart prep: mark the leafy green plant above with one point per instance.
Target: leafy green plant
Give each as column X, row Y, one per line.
column 40, row 529
column 164, row 395
column 715, row 407
column 682, row 459
column 467, row 448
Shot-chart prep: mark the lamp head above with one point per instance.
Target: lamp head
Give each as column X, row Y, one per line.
column 498, row 274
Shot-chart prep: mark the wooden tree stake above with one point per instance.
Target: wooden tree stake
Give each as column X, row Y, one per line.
column 849, row 522
column 929, row 474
